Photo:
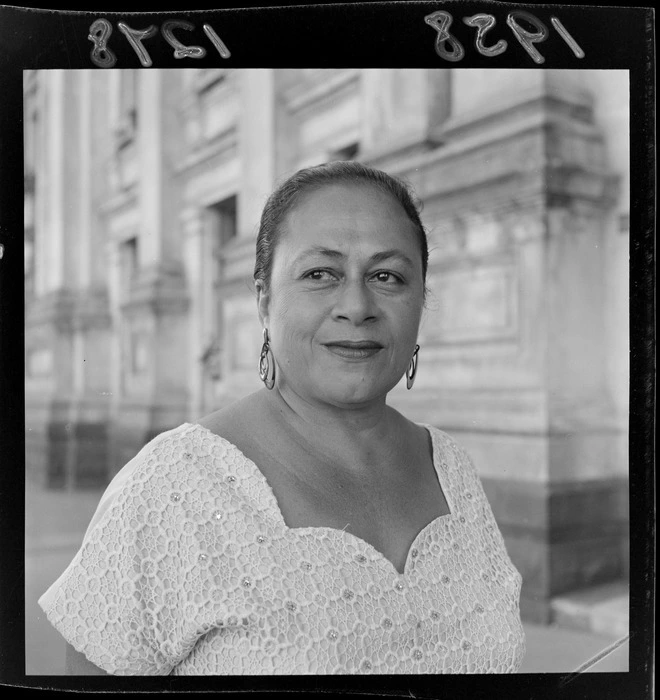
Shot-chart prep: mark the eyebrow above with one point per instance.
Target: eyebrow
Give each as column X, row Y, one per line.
column 338, row 255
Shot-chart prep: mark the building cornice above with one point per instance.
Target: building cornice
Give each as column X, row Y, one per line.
column 306, row 95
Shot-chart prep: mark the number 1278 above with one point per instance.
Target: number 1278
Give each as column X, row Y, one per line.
column 102, row 56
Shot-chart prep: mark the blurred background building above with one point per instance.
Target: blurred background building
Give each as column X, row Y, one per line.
column 143, row 191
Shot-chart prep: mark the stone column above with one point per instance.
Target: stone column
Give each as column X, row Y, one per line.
column 56, row 137
column 257, row 147
column 49, row 335
column 152, row 174
column 91, row 322
column 154, row 315
column 192, row 226
column 113, row 267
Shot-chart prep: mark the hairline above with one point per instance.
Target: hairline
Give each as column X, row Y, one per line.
column 346, row 179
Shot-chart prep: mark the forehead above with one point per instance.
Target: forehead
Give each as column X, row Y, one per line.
column 349, row 214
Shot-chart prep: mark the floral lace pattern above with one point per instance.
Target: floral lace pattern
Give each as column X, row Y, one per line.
column 189, row 569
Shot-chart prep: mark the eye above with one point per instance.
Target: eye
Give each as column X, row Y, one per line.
column 320, row 275
column 387, row 277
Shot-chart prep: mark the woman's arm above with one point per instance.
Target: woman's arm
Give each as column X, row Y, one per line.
column 78, row 664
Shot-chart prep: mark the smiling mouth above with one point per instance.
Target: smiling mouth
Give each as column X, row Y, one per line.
column 354, row 350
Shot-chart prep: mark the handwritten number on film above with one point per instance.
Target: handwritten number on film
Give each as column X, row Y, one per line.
column 100, row 31
column 447, row 46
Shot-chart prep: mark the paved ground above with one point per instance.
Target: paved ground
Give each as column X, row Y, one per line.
column 56, row 521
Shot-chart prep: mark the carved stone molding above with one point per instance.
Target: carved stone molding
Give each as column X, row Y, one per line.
column 214, row 152
column 159, row 291
column 542, row 143
column 320, row 88
column 54, row 309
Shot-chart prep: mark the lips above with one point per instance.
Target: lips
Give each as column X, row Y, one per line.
column 354, row 349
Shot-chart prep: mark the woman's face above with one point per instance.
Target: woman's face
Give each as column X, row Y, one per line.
column 345, row 297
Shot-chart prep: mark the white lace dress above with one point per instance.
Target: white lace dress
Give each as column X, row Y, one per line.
column 188, row 568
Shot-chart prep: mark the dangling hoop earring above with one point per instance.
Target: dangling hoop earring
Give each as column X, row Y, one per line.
column 267, row 363
column 411, row 372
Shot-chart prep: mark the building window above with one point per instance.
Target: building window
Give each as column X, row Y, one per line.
column 127, row 108
column 222, row 221
column 129, row 265
column 222, row 227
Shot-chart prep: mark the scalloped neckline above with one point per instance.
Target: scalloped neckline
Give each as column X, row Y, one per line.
column 336, row 532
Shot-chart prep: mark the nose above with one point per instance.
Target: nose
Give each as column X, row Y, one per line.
column 355, row 303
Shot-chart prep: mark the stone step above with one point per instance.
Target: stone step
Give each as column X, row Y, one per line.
column 599, row 609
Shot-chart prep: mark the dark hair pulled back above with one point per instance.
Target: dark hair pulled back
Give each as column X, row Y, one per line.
column 307, row 180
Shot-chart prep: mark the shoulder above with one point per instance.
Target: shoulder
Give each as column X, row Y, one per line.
column 157, row 454
column 161, row 449
column 174, row 461
column 442, row 438
column 450, row 451
column 240, row 423
column 136, row 470
column 151, row 527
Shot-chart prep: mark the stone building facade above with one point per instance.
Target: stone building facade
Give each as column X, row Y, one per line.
column 143, row 195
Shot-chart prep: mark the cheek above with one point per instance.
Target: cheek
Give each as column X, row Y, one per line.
column 293, row 317
column 409, row 316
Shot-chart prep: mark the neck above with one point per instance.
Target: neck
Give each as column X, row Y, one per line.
column 356, row 434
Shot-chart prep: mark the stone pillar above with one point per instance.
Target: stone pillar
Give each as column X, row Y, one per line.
column 286, row 130
column 48, row 389
column 90, row 410
column 113, row 267
column 257, row 147
column 192, row 226
column 152, row 168
column 514, row 358
column 90, row 315
column 48, row 332
column 67, row 324
column 56, row 137
column 153, row 318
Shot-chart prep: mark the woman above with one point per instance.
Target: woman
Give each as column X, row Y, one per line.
column 310, row 527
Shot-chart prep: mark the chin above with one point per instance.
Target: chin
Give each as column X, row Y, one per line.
column 352, row 395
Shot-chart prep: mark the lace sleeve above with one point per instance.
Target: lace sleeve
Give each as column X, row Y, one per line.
column 118, row 601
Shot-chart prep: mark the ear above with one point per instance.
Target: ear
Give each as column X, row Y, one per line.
column 262, row 302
